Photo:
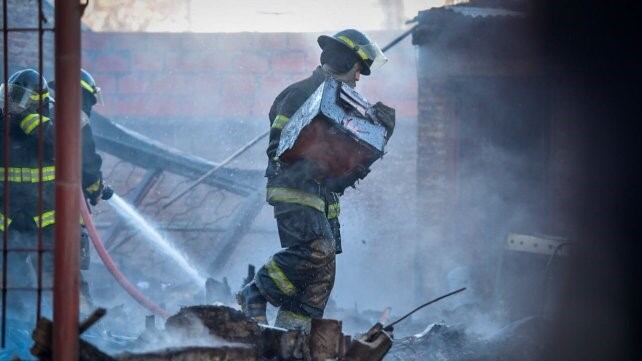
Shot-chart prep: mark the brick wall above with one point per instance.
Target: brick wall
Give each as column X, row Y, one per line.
column 23, row 46
column 186, row 75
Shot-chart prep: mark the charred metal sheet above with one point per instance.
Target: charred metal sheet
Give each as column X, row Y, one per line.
column 532, row 244
column 329, row 101
column 144, row 152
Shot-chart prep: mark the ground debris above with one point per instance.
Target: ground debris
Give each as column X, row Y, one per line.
column 195, row 354
column 224, row 322
column 521, row 340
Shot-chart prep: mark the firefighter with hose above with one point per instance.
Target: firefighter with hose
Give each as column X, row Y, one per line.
column 30, row 174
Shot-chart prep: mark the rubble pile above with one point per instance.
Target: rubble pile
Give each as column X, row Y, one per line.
column 521, row 340
column 218, row 333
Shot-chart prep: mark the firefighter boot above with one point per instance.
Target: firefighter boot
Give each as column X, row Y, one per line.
column 252, row 303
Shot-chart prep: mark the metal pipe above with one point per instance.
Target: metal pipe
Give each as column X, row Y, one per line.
column 7, row 148
column 67, row 150
column 41, row 146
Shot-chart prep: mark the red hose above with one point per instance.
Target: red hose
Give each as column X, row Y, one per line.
column 111, row 266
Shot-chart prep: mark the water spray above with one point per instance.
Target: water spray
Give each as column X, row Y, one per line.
column 151, row 234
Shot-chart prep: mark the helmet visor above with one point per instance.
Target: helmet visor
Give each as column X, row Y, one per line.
column 369, row 53
column 93, row 90
column 21, row 98
column 375, row 58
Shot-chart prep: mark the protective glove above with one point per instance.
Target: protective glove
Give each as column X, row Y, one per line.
column 93, row 192
column 339, row 184
column 386, row 116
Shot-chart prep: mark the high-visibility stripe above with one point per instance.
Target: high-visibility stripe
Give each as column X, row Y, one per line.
column 280, row 121
column 88, row 87
column 29, row 175
column 31, row 121
column 334, row 210
column 289, row 315
column 2, row 222
column 48, row 218
column 94, row 187
column 42, row 96
column 346, row 40
column 280, row 279
column 289, row 195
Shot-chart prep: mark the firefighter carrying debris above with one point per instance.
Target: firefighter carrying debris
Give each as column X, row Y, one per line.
column 299, row 278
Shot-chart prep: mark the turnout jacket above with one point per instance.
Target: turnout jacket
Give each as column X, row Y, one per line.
column 293, row 185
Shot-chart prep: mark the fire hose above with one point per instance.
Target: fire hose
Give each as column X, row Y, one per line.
column 111, row 265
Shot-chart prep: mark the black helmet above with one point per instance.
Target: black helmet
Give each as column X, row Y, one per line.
column 368, row 52
column 26, row 89
column 89, row 88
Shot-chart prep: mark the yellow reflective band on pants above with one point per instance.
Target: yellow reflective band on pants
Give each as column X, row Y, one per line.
column 280, row 279
column 28, row 175
column 280, row 121
column 2, row 220
column 289, row 195
column 32, row 121
column 48, row 218
column 334, row 210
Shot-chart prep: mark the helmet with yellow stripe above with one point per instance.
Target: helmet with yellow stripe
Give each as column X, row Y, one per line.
column 367, row 52
column 26, row 90
column 91, row 93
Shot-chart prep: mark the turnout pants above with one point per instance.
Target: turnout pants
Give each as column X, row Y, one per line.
column 300, row 277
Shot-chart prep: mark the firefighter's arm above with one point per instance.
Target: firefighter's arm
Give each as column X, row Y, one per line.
column 33, row 123
column 92, row 179
column 386, row 116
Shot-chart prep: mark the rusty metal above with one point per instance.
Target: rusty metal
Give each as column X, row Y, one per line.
column 40, row 164
column 67, row 150
column 6, row 139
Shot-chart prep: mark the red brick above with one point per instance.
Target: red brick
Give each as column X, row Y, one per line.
column 288, row 62
column 111, row 62
column 147, row 61
column 107, row 82
column 154, row 83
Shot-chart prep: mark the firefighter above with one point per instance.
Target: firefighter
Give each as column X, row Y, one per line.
column 92, row 179
column 299, row 278
column 29, row 117
column 30, row 173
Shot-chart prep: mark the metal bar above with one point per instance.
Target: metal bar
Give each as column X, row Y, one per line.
column 399, row 38
column 40, row 169
column 28, row 30
column 6, row 138
column 217, row 167
column 28, row 288
column 67, row 150
column 136, row 198
column 186, row 228
column 34, row 250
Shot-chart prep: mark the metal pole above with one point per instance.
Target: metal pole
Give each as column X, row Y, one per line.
column 67, row 150
column 7, row 149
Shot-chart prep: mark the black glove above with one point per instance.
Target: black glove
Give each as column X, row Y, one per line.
column 339, row 184
column 385, row 115
column 94, row 192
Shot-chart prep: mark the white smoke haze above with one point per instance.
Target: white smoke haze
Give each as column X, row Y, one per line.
column 393, row 255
